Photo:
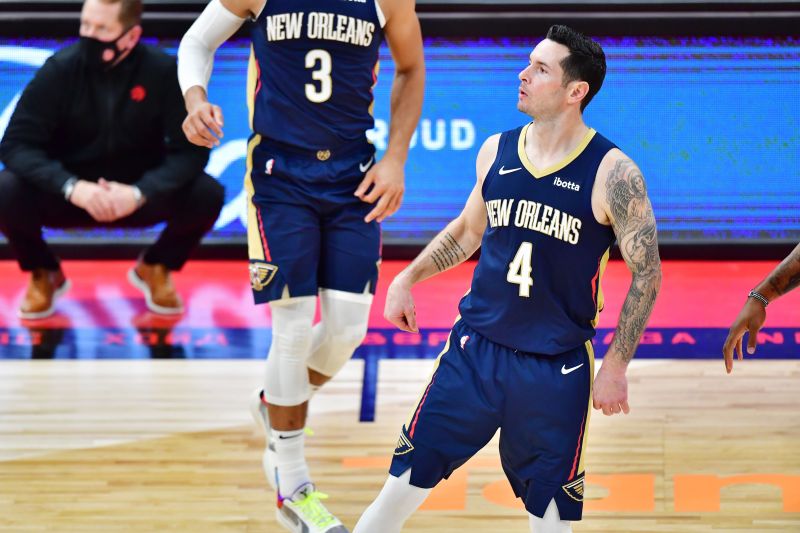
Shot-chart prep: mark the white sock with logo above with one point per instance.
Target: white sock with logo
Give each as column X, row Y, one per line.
column 290, row 460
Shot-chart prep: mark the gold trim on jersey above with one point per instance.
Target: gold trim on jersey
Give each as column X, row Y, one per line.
column 375, row 70
column 590, row 352
column 255, row 246
column 252, row 83
column 523, row 156
column 417, row 406
column 600, row 298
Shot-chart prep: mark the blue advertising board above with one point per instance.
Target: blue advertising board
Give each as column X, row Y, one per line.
column 713, row 122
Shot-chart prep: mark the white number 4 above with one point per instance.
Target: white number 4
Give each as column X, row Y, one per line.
column 519, row 270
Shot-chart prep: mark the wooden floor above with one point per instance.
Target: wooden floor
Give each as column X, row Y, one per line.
column 146, row 446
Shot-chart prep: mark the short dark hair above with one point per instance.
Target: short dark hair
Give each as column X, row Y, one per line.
column 130, row 12
column 586, row 60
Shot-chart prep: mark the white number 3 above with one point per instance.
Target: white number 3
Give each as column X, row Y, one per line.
column 321, row 74
column 519, row 270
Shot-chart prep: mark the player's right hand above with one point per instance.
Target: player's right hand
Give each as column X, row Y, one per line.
column 93, row 199
column 203, row 124
column 610, row 390
column 751, row 318
column 399, row 309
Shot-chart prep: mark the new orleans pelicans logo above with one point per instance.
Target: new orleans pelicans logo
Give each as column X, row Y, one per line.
column 261, row 274
column 574, row 489
column 403, row 443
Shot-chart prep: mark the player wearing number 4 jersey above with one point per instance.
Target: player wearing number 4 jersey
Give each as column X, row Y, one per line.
column 315, row 193
column 550, row 199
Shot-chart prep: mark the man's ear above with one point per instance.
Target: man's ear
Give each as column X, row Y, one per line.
column 577, row 91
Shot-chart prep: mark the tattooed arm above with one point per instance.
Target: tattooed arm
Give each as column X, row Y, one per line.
column 454, row 245
column 625, row 203
column 783, row 279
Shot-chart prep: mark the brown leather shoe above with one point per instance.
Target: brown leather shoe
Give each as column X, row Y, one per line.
column 45, row 287
column 159, row 293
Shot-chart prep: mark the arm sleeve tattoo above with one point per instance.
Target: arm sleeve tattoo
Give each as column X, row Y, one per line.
column 786, row 276
column 635, row 227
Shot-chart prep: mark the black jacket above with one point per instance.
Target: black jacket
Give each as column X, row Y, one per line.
column 123, row 125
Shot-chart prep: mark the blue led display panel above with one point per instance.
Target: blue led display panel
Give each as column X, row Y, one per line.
column 714, row 124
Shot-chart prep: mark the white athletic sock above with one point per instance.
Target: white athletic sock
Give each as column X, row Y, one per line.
column 394, row 505
column 551, row 521
column 290, row 460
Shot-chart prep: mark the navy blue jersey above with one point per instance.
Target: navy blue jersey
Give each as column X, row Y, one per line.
column 536, row 287
column 312, row 69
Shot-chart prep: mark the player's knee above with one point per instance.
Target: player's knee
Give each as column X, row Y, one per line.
column 287, row 376
column 345, row 317
column 334, row 352
column 349, row 338
column 292, row 341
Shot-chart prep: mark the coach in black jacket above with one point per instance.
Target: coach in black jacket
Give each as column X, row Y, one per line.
column 96, row 141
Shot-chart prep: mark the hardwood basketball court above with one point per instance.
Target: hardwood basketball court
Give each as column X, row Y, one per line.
column 138, row 444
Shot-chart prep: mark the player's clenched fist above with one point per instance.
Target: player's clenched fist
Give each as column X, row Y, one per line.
column 610, row 391
column 399, row 309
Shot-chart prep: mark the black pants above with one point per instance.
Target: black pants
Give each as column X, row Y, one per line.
column 189, row 214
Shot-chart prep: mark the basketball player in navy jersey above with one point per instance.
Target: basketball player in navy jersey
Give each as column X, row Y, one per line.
column 315, row 193
column 551, row 198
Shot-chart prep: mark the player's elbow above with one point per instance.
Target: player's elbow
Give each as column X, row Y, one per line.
column 412, row 70
column 649, row 278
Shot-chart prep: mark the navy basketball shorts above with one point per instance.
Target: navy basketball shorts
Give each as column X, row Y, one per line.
column 541, row 404
column 305, row 229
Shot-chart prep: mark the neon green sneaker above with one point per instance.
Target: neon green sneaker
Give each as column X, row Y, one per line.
column 303, row 512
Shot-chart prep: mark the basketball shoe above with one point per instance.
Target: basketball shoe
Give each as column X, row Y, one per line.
column 303, row 512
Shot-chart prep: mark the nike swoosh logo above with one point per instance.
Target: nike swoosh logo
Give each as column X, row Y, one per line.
column 365, row 166
column 503, row 171
column 565, row 370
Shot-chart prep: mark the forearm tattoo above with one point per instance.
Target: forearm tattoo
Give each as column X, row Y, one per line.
column 786, row 276
column 635, row 227
column 448, row 253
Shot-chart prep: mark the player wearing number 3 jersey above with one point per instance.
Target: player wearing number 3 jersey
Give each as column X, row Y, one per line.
column 315, row 193
column 550, row 199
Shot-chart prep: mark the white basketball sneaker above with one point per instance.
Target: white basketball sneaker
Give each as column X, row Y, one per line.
column 303, row 512
column 259, row 410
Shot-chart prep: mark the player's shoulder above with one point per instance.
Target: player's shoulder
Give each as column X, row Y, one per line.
column 489, row 148
column 616, row 165
column 392, row 8
column 491, row 144
column 486, row 155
